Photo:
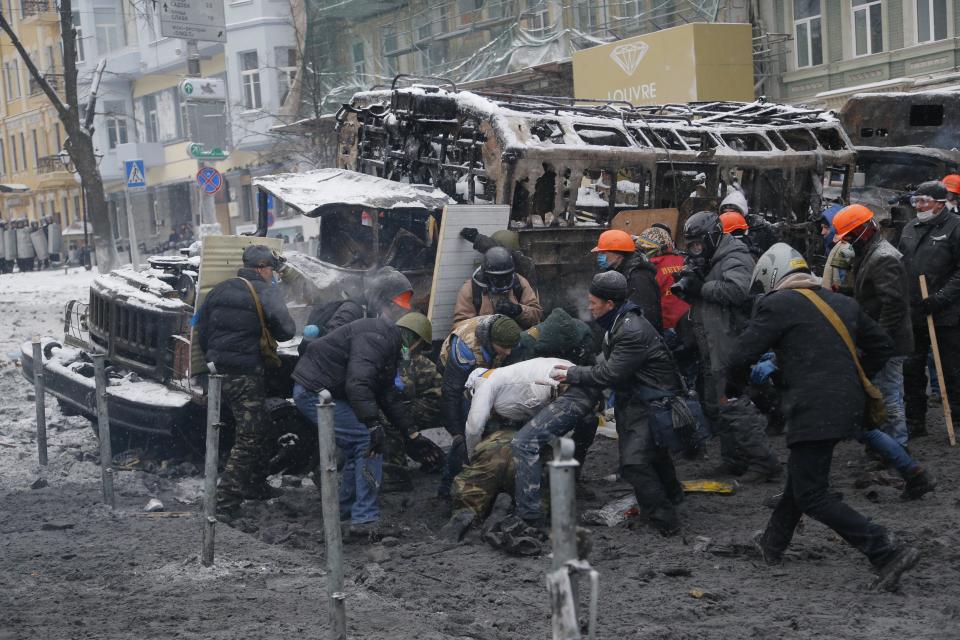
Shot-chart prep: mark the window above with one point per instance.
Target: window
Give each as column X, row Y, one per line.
column 926, row 115
column 3, row 159
column 867, row 27
column 116, row 123
column 36, row 148
column 359, row 66
column 76, row 207
column 23, row 149
column 66, row 210
column 109, row 34
column 12, row 72
column 151, row 118
column 931, row 20
column 13, row 154
column 536, row 14
column 807, row 31
column 79, row 30
column 56, row 132
column 250, row 79
column 286, row 70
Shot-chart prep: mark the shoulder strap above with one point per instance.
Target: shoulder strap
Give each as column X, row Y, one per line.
column 837, row 323
column 477, row 294
column 256, row 301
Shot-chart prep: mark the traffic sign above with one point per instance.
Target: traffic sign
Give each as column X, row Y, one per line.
column 198, row 151
column 193, row 20
column 209, row 180
column 203, row 89
column 136, row 176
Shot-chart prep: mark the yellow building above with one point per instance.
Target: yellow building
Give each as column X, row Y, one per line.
column 30, row 132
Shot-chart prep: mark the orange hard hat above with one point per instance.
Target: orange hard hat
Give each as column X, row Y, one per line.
column 403, row 300
column 952, row 183
column 615, row 240
column 851, row 217
column 733, row 221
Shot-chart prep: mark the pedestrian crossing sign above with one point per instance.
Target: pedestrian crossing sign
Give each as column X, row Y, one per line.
column 136, row 176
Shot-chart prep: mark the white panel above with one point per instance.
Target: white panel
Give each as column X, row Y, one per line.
column 456, row 258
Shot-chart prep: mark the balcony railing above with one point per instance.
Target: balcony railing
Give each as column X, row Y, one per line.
column 49, row 164
column 35, row 7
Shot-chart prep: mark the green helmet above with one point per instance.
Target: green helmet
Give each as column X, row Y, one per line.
column 419, row 324
column 507, row 239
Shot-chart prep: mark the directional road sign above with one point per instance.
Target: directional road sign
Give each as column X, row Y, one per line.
column 136, row 176
column 209, row 180
column 193, row 20
column 197, row 150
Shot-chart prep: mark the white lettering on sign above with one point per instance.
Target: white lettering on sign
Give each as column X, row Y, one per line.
column 634, row 93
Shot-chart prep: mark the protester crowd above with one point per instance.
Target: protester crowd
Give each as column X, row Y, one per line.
column 735, row 337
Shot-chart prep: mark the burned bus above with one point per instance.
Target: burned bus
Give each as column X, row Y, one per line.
column 569, row 165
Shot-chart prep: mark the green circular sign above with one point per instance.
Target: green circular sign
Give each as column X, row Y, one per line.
column 188, row 88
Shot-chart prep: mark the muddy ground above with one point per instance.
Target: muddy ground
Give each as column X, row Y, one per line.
column 69, row 568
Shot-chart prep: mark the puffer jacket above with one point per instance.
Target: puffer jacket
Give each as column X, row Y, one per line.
column 358, row 363
column 229, row 326
column 723, row 306
column 880, row 287
column 641, row 277
column 822, row 397
column 933, row 249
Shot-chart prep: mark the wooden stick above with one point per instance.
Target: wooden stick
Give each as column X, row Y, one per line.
column 936, row 361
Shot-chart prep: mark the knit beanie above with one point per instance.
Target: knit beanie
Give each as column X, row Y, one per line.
column 655, row 239
column 505, row 332
column 609, row 285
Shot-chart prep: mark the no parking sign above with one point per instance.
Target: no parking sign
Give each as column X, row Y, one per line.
column 209, row 180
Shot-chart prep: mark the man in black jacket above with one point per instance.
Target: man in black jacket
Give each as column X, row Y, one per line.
column 617, row 251
column 930, row 245
column 229, row 330
column 823, row 402
column 357, row 364
column 637, row 367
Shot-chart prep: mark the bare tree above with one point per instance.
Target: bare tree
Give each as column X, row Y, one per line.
column 79, row 142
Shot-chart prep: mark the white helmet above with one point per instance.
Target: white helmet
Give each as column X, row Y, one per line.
column 777, row 263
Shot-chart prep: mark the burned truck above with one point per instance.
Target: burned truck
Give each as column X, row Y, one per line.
column 571, row 166
column 141, row 318
column 901, row 139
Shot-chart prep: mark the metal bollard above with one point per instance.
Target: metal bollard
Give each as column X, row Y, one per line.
column 210, row 469
column 329, row 490
column 39, row 387
column 563, row 577
column 103, row 430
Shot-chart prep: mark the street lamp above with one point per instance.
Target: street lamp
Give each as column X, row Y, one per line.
column 69, row 165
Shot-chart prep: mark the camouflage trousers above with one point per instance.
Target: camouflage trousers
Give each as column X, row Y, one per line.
column 245, row 473
column 490, row 473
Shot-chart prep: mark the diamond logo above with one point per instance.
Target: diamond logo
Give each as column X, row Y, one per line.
column 629, row 56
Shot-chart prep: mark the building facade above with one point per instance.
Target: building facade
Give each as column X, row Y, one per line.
column 840, row 47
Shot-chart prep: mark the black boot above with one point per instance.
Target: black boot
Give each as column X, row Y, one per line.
column 888, row 574
column 919, row 483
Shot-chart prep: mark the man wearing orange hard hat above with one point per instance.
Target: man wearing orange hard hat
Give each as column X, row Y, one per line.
column 952, row 183
column 617, row 251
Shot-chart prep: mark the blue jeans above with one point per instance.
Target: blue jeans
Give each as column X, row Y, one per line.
column 890, row 382
column 890, row 450
column 362, row 476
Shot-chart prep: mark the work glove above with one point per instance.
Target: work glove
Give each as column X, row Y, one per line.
column 469, row 234
column 931, row 304
column 424, row 451
column 377, row 439
column 508, row 308
column 764, row 368
column 689, row 287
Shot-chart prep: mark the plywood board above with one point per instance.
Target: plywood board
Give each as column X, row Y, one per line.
column 221, row 257
column 456, row 259
column 635, row 221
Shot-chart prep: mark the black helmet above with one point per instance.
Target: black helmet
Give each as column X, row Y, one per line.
column 703, row 229
column 932, row 188
column 258, row 255
column 498, row 269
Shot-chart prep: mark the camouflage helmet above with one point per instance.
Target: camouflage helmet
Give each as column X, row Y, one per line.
column 418, row 324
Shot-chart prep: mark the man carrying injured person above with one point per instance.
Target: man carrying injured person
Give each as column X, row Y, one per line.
column 503, row 400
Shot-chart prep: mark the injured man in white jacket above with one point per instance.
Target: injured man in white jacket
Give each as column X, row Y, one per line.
column 515, row 394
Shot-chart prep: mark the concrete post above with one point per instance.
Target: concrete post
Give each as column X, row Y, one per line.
column 39, row 387
column 103, row 430
column 210, row 469
column 329, row 490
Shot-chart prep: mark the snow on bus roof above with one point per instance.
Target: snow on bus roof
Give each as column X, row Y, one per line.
column 314, row 193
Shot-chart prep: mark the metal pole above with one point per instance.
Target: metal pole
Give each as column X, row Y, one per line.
column 563, row 519
column 103, row 430
column 210, row 468
column 39, row 386
column 87, row 264
column 329, row 490
column 131, row 230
